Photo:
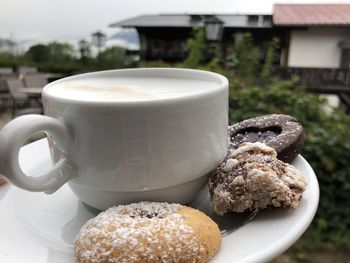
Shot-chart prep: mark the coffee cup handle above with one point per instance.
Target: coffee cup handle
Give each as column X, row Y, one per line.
column 14, row 135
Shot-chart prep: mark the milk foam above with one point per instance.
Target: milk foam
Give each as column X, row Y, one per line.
column 129, row 89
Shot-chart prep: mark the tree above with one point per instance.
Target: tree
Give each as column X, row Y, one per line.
column 60, row 52
column 54, row 57
column 53, row 52
column 203, row 55
column 270, row 57
column 38, row 53
column 243, row 58
column 197, row 49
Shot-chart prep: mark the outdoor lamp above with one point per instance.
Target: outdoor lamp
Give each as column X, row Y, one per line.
column 213, row 28
column 99, row 40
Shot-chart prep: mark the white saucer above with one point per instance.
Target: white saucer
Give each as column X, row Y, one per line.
column 40, row 228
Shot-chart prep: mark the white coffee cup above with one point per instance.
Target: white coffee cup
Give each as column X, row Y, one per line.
column 128, row 135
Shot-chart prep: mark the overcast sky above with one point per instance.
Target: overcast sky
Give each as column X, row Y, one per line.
column 77, row 19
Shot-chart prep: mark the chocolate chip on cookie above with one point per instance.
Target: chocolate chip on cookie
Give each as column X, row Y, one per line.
column 281, row 132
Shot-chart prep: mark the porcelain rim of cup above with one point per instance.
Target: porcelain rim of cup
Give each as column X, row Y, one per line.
column 181, row 73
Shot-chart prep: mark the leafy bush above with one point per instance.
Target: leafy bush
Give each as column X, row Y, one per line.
column 327, row 149
column 327, row 140
column 243, row 58
column 153, row 64
column 9, row 60
column 112, row 58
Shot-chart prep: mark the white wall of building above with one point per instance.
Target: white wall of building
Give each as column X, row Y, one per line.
column 316, row 47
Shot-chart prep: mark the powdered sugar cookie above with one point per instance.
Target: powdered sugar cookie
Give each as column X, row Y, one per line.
column 148, row 232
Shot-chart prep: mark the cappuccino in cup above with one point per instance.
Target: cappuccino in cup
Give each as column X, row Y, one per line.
column 129, row 89
column 125, row 136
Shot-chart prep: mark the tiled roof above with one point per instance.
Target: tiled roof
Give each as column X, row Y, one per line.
column 311, row 14
column 187, row 20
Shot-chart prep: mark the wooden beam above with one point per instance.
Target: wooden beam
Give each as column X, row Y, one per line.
column 329, row 89
column 345, row 101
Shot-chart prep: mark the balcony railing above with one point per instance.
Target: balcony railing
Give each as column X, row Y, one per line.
column 322, row 80
column 319, row 80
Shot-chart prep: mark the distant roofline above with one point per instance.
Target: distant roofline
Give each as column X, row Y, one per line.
column 305, row 19
column 155, row 20
column 209, row 14
column 328, row 26
column 311, row 4
column 311, row 15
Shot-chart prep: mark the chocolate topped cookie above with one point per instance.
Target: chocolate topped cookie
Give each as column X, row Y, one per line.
column 280, row 132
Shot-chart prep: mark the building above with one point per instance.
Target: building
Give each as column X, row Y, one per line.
column 164, row 36
column 312, row 35
column 318, row 34
column 318, row 49
column 315, row 40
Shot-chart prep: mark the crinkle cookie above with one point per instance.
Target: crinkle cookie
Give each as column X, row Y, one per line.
column 251, row 177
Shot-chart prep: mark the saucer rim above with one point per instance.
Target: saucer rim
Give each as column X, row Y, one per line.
column 274, row 250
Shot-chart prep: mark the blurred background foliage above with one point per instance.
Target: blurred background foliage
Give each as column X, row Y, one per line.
column 57, row 57
column 254, row 90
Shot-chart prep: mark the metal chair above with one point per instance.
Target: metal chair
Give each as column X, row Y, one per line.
column 5, row 97
column 22, row 103
column 27, row 70
column 35, row 80
column 6, row 71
